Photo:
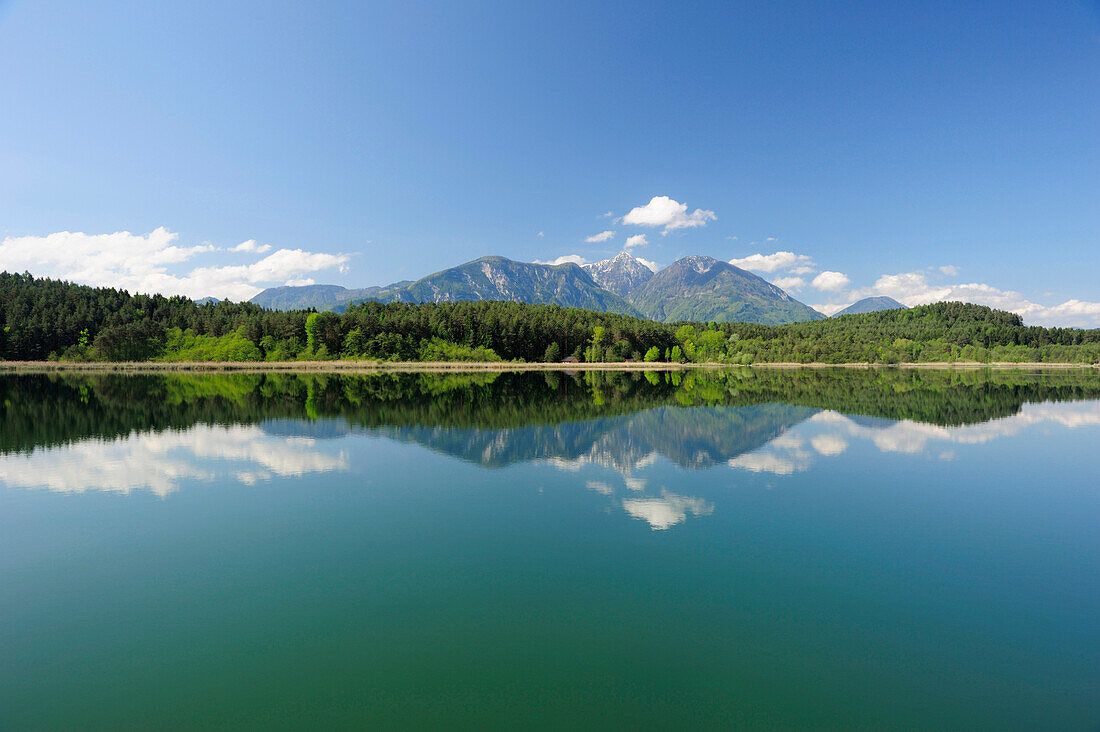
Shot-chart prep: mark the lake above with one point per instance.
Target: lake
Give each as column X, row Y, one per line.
column 755, row 548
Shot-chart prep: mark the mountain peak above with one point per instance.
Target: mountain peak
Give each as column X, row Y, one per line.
column 703, row 289
column 621, row 274
column 700, row 263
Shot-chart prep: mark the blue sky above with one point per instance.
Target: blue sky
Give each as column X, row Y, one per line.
column 923, row 150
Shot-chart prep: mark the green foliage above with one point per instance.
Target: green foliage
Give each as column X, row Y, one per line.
column 137, row 341
column 41, row 318
column 185, row 345
column 311, row 331
column 653, row 354
column 553, row 353
column 595, row 352
column 438, row 349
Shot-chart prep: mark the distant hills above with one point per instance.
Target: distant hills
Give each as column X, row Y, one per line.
column 871, row 305
column 693, row 288
column 321, row 297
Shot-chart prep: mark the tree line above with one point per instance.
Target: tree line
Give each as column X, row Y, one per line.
column 44, row 319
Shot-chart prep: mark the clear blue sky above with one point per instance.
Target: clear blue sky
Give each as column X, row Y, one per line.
column 875, row 138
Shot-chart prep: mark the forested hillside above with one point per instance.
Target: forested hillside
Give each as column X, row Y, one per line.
column 44, row 319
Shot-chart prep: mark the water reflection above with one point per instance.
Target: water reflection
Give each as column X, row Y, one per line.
column 667, row 510
column 160, row 461
column 829, row 434
column 611, row 433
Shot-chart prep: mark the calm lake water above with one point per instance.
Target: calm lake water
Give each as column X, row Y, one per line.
column 753, row 548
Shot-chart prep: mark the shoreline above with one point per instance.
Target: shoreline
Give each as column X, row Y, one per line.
column 371, row 367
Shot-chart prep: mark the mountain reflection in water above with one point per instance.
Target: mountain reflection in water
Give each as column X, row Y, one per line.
column 123, row 433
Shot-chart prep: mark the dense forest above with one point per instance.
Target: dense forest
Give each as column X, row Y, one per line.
column 43, row 410
column 44, row 319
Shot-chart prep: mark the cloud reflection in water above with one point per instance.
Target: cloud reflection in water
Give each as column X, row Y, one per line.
column 160, row 461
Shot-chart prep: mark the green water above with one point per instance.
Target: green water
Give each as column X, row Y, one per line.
column 879, row 549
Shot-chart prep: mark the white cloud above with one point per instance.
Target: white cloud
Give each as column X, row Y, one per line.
column 240, row 282
column 602, row 236
column 913, row 288
column 663, row 211
column 638, row 240
column 541, row 234
column 772, row 238
column 831, row 281
column 649, row 263
column 140, row 263
column 775, row 262
column 830, row 308
column 769, row 462
column 668, row 510
column 564, row 259
column 789, row 283
column 252, row 246
column 607, row 214
column 950, row 270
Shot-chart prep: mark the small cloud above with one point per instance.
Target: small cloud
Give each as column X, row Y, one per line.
column 300, row 282
column 772, row 238
column 602, row 236
column 831, row 281
column 950, row 270
column 251, row 246
column 638, row 240
column 600, row 487
column 768, row 462
column 565, row 259
column 799, row 263
column 652, row 265
column 668, row 510
column 829, row 444
column 606, row 215
column 731, row 238
column 789, row 283
column 541, row 234
column 831, row 308
column 672, row 215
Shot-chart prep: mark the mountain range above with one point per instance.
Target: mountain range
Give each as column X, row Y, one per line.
column 693, row 288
